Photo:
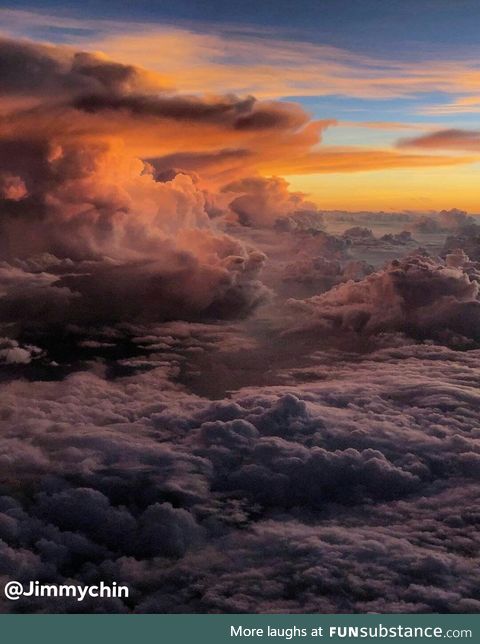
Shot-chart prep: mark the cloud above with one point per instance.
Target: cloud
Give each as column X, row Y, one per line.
column 445, row 221
column 104, row 292
column 356, row 159
column 266, row 201
column 40, row 71
column 120, row 244
column 90, row 97
column 208, row 506
column 259, row 61
column 12, row 353
column 319, row 274
column 12, row 187
column 428, row 221
column 462, row 247
column 454, row 139
column 239, row 114
column 75, row 190
column 143, row 440
column 460, row 105
column 84, row 95
column 417, row 296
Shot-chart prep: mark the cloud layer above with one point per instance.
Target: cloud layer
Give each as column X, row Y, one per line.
column 355, row 494
column 207, row 392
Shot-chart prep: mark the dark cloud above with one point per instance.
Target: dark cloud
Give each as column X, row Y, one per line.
column 29, row 69
column 468, row 242
column 355, row 492
column 105, row 293
column 241, row 114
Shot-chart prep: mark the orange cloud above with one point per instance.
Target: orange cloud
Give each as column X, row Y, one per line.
column 270, row 67
column 88, row 99
column 258, row 62
column 384, row 125
column 353, row 159
column 453, row 139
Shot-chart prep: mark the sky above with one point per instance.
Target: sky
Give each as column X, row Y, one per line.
column 240, row 305
column 383, row 75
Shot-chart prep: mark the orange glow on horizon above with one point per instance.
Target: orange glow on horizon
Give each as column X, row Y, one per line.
column 395, row 190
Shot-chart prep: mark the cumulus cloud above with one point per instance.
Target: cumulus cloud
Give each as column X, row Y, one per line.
column 265, row 202
column 88, row 95
column 313, row 275
column 130, row 239
column 11, row 352
column 35, row 70
column 467, row 241
column 67, row 94
column 362, row 236
column 345, row 483
column 418, row 296
column 120, row 244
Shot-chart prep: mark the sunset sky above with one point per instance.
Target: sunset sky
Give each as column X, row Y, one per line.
column 396, row 90
column 240, row 304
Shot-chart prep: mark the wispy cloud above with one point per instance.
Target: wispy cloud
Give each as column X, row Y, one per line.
column 462, row 105
column 245, row 60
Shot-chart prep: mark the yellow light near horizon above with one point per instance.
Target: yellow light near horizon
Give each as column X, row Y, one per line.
column 399, row 189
